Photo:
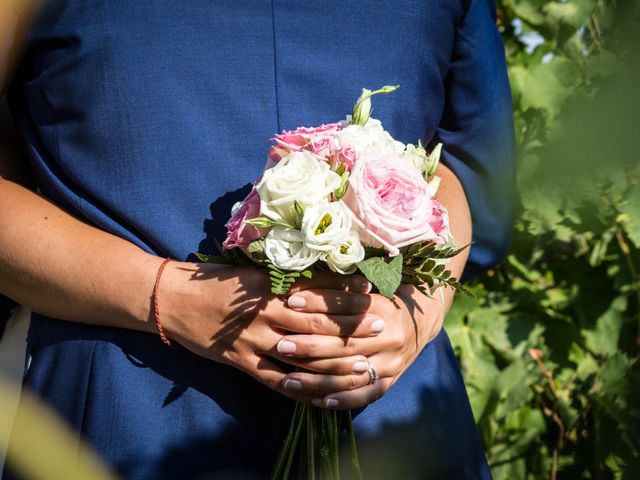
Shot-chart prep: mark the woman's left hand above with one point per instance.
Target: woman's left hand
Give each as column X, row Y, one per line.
column 411, row 321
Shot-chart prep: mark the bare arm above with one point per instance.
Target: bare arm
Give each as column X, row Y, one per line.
column 452, row 195
column 61, row 267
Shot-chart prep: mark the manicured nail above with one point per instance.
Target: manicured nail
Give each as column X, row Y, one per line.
column 291, row 384
column 366, row 286
column 360, row 367
column 377, row 326
column 286, row 347
column 331, row 402
column 316, row 402
column 296, row 301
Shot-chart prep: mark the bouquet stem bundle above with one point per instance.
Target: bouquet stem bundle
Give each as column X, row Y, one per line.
column 315, row 433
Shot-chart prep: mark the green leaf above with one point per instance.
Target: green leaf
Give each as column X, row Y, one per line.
column 630, row 215
column 282, row 280
column 256, row 246
column 530, row 11
column 384, row 273
column 574, row 13
column 546, row 86
column 604, row 339
column 217, row 259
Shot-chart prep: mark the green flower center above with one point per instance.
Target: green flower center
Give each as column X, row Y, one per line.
column 324, row 224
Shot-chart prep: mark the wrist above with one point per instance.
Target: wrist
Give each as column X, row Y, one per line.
column 170, row 299
column 191, row 297
column 428, row 313
column 141, row 309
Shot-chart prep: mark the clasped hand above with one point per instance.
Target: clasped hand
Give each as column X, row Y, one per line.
column 330, row 328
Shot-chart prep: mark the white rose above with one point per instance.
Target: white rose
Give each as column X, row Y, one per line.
column 325, row 225
column 343, row 258
column 285, row 248
column 298, row 176
column 359, row 138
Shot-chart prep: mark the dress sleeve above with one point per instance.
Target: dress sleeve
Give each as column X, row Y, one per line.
column 477, row 132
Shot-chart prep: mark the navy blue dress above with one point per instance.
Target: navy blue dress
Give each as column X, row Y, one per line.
column 149, row 119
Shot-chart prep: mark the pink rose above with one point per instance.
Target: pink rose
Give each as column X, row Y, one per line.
column 391, row 204
column 239, row 234
column 440, row 222
column 345, row 156
column 316, row 140
column 277, row 153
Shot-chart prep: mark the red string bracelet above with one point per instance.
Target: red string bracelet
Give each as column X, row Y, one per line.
column 156, row 308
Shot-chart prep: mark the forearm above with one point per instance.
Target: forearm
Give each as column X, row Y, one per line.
column 452, row 196
column 431, row 312
column 63, row 268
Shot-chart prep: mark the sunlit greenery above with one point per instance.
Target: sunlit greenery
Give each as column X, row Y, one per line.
column 550, row 349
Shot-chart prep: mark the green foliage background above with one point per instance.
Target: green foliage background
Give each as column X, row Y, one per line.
column 550, row 348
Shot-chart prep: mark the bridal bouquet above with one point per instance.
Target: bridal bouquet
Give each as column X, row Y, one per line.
column 346, row 197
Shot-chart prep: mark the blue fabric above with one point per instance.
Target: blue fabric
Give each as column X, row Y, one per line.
column 149, row 119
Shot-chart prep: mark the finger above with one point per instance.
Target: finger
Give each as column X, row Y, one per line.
column 268, row 373
column 332, row 366
column 264, row 370
column 329, row 301
column 321, row 324
column 315, row 384
column 352, row 399
column 330, row 280
column 326, row 346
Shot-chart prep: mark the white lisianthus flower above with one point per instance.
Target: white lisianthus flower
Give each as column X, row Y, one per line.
column 359, row 138
column 325, row 225
column 286, row 249
column 344, row 257
column 416, row 156
column 298, row 176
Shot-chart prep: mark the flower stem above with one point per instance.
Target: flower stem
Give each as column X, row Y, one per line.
column 326, row 444
column 287, row 442
column 294, row 442
column 311, row 450
column 285, row 457
column 335, row 442
column 355, row 463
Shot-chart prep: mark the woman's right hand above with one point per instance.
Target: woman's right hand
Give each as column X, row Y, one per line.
column 228, row 314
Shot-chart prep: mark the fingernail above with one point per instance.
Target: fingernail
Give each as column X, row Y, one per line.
column 377, row 326
column 360, row 367
column 296, row 301
column 291, row 384
column 366, row 286
column 331, row 402
column 286, row 347
column 316, row 402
